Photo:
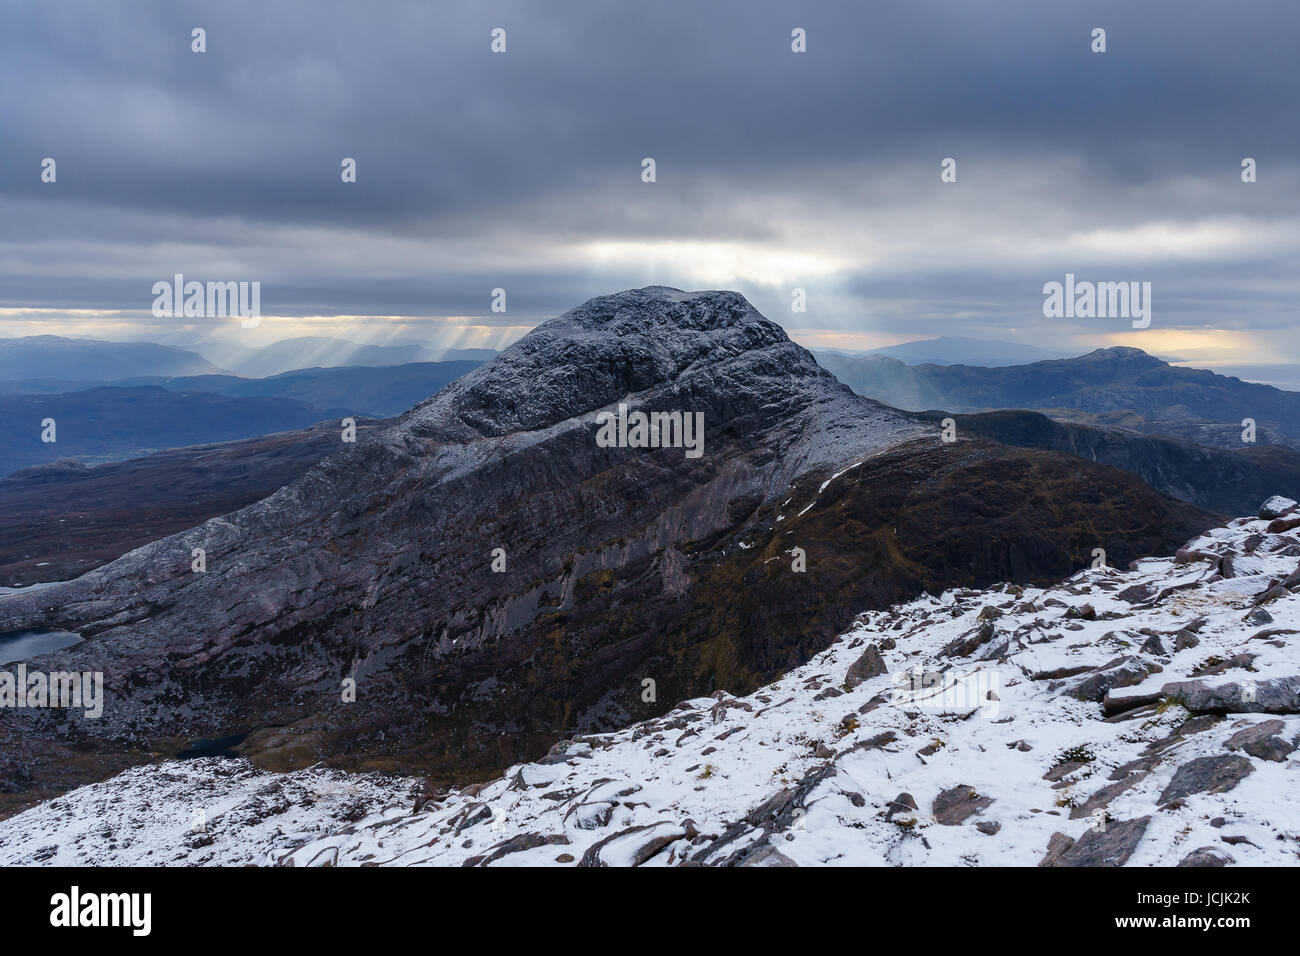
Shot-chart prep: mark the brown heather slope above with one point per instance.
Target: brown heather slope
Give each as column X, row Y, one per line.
column 60, row 520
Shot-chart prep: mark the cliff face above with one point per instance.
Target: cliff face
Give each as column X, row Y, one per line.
column 378, row 563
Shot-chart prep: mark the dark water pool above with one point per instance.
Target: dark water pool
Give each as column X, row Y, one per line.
column 20, row 645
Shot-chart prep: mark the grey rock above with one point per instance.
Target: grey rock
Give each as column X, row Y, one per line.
column 903, row 803
column 1262, row 741
column 870, row 664
column 1206, row 775
column 1152, row 645
column 1207, row 856
column 1120, row 672
column 523, row 841
column 1276, row 695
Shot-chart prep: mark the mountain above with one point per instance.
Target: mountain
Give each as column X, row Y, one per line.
column 91, row 360
column 960, row 350
column 62, row 519
column 1286, row 377
column 1146, row 717
column 110, row 424
column 1227, row 482
column 1124, row 387
column 620, row 563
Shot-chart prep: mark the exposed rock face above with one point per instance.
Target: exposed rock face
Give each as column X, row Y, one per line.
column 620, row 563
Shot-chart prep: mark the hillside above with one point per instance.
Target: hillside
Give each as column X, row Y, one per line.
column 1145, row 717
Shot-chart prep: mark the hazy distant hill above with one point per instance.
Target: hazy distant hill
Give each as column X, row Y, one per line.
column 959, row 350
column 111, row 423
column 362, row 390
column 60, row 520
column 317, row 351
column 92, row 360
column 1118, row 386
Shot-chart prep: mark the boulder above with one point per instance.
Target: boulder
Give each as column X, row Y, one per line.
column 1277, row 695
column 1261, row 741
column 1276, row 507
column 870, row 664
column 1120, row 672
column 1207, row 775
column 1207, row 856
column 953, row 806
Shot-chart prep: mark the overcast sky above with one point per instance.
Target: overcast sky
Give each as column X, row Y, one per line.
column 775, row 169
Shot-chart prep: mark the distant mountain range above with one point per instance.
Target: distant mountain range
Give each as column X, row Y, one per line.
column 51, row 363
column 135, row 417
column 375, row 391
column 36, row 357
column 325, row 352
column 109, row 424
column 62, row 519
column 960, row 350
column 1122, row 387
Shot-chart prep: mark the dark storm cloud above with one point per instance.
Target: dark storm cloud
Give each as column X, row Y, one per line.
column 522, row 170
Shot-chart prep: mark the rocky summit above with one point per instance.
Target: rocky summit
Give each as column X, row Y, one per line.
column 452, row 592
column 1141, row 717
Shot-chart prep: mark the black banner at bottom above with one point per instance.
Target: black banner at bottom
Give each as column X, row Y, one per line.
column 333, row 906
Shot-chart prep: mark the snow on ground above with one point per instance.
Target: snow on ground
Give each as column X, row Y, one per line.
column 211, row 811
column 1141, row 717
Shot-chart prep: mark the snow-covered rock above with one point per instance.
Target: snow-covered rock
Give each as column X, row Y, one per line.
column 1141, row 717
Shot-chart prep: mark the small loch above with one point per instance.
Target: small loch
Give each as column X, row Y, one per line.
column 20, row 645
